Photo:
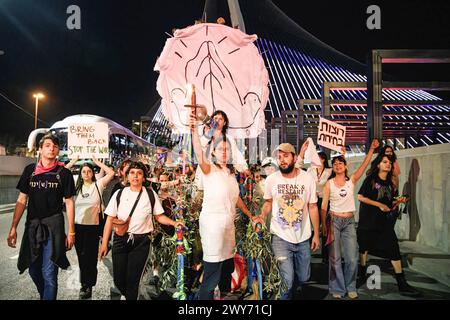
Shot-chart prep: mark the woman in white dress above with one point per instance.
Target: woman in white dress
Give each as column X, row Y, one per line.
column 221, row 196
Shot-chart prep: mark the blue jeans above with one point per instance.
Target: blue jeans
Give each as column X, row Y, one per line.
column 343, row 280
column 294, row 260
column 44, row 272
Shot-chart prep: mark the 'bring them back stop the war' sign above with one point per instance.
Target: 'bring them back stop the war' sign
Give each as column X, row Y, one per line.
column 87, row 140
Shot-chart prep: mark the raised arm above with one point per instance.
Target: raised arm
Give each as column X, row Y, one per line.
column 72, row 162
column 109, row 173
column 301, row 156
column 362, row 168
column 205, row 166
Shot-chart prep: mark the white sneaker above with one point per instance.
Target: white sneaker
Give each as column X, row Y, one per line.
column 122, row 298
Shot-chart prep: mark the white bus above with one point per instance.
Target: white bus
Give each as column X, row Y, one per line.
column 123, row 143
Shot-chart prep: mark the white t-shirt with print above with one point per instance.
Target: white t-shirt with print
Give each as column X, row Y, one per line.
column 87, row 203
column 141, row 220
column 290, row 198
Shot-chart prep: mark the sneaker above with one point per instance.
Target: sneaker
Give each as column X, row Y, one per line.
column 85, row 293
column 337, row 296
column 353, row 295
column 122, row 297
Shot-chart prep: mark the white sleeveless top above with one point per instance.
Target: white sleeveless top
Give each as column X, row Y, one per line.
column 342, row 198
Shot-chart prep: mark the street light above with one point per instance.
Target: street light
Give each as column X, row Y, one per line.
column 37, row 96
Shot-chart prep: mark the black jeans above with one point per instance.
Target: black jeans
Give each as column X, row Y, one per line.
column 216, row 273
column 129, row 257
column 86, row 246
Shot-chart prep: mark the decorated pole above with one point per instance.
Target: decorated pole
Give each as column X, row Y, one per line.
column 258, row 229
column 179, row 293
column 181, row 248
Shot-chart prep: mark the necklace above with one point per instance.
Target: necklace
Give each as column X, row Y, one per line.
column 84, row 194
column 319, row 175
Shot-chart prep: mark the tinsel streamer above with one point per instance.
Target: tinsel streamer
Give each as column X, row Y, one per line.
column 180, row 250
column 257, row 246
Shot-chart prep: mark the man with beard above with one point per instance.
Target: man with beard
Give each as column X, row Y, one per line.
column 290, row 194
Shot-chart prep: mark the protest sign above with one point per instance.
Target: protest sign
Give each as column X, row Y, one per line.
column 331, row 135
column 88, row 139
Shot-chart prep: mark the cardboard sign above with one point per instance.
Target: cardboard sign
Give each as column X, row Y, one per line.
column 331, row 135
column 87, row 140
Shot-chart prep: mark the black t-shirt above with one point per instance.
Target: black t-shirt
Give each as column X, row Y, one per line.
column 116, row 187
column 371, row 217
column 110, row 189
column 45, row 192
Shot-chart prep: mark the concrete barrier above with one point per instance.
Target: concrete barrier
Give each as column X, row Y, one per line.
column 11, row 168
column 427, row 169
column 425, row 229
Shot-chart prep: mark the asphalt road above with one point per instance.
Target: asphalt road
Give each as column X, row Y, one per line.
column 15, row 286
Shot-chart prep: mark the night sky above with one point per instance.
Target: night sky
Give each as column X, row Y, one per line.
column 106, row 68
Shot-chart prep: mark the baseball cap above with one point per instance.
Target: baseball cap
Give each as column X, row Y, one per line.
column 286, row 147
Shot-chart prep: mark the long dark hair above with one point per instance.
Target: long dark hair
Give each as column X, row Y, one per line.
column 373, row 170
column 80, row 180
column 225, row 118
column 340, row 159
column 324, row 156
column 383, row 151
column 225, row 124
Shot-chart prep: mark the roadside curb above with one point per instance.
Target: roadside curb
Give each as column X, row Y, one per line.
column 6, row 208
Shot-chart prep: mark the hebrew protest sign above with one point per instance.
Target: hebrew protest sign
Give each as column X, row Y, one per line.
column 87, row 140
column 331, row 135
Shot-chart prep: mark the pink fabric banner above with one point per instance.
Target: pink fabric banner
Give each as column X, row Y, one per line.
column 228, row 73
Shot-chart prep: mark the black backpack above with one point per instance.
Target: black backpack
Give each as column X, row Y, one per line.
column 150, row 195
